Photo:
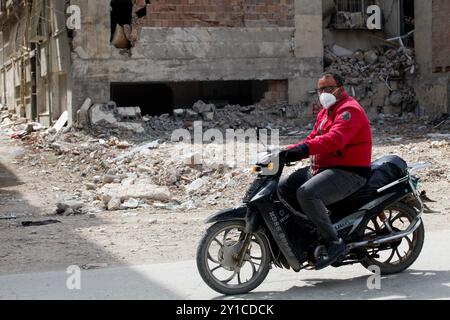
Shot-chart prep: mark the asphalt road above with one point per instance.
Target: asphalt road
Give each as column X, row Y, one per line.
column 428, row 278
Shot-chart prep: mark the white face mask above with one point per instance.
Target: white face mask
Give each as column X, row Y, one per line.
column 327, row 100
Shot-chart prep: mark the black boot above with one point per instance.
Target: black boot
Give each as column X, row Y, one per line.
column 328, row 255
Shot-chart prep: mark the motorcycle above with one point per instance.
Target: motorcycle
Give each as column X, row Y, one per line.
column 381, row 225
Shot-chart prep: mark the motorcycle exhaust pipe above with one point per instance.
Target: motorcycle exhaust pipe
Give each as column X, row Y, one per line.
column 385, row 239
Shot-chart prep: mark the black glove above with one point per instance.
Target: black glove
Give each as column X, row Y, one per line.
column 297, row 153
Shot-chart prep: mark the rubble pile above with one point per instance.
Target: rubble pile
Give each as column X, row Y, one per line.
column 105, row 171
column 378, row 78
column 286, row 118
column 107, row 119
column 373, row 65
column 114, row 174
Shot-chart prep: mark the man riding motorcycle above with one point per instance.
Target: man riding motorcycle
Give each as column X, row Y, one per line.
column 340, row 150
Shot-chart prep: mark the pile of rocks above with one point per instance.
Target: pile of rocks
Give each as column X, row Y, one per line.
column 380, row 63
column 286, row 118
column 379, row 78
column 114, row 174
column 108, row 119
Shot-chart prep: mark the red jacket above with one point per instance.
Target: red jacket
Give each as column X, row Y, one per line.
column 342, row 137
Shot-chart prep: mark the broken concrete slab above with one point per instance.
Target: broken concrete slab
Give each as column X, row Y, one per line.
column 142, row 149
column 201, row 107
column 208, row 116
column 130, row 204
column 83, row 114
column 194, row 186
column 101, row 114
column 62, row 121
column 191, row 115
column 114, row 204
column 129, row 113
column 73, row 204
column 136, row 191
column 371, row 57
column 341, row 51
column 109, row 116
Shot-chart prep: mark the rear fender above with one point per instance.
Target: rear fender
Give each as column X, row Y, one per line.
column 375, row 207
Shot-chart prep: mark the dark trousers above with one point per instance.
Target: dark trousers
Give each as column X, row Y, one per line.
column 314, row 193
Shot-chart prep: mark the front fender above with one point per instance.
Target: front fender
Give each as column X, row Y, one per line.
column 227, row 215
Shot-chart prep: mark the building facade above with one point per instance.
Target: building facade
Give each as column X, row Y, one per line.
column 161, row 55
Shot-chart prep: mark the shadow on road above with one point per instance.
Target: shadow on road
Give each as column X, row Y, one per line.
column 410, row 285
column 52, row 247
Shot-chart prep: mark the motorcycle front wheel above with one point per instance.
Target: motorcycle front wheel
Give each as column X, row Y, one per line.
column 224, row 266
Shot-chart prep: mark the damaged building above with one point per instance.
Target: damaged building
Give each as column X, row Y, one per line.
column 161, row 55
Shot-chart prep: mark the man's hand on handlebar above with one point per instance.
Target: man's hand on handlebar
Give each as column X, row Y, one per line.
column 294, row 154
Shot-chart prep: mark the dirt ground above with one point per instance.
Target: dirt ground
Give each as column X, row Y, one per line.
column 146, row 235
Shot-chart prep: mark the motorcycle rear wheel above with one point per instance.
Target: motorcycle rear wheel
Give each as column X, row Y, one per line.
column 395, row 261
column 217, row 252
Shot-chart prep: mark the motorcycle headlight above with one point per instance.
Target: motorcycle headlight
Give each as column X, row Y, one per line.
column 256, row 169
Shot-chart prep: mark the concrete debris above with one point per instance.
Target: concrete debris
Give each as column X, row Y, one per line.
column 143, row 149
column 371, row 57
column 130, row 204
column 62, row 121
column 113, row 204
column 6, row 121
column 83, row 120
column 200, row 107
column 380, row 78
column 341, row 51
column 109, row 116
column 69, row 207
column 137, row 191
column 194, row 186
column 122, row 171
column 90, row 186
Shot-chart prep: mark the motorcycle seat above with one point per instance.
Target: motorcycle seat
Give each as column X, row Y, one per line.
column 384, row 171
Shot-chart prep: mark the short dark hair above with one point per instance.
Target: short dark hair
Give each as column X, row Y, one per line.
column 337, row 77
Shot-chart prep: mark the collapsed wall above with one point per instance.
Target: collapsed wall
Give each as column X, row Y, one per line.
column 381, row 78
column 174, row 43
